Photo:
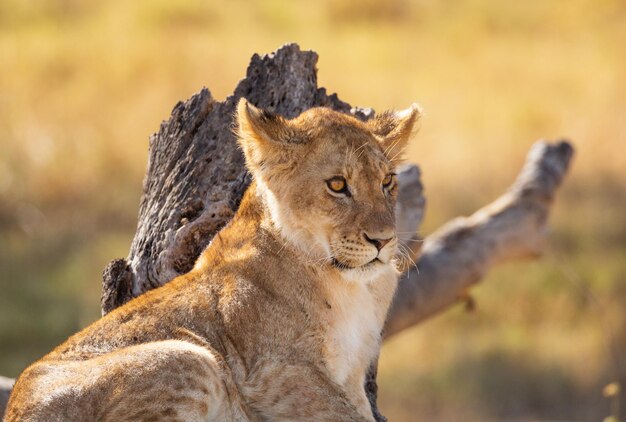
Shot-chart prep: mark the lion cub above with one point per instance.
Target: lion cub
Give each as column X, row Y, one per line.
column 282, row 313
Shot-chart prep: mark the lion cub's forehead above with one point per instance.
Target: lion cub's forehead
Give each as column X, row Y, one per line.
column 345, row 143
column 322, row 122
column 352, row 157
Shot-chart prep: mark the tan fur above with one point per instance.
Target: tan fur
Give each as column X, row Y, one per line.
column 282, row 313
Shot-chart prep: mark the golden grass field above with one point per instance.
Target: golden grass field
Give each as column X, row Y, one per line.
column 84, row 83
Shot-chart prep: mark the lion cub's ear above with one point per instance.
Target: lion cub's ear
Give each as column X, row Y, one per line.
column 265, row 137
column 394, row 129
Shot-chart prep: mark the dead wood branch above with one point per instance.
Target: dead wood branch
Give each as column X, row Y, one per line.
column 461, row 252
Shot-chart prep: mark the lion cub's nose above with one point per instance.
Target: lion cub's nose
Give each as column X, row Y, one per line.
column 376, row 241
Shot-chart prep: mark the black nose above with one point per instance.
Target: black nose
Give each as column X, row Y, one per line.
column 379, row 243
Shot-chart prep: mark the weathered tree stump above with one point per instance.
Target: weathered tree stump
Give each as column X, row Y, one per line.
column 196, row 177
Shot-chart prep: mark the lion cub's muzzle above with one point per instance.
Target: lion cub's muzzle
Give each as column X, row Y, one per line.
column 349, row 252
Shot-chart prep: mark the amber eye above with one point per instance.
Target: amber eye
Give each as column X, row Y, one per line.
column 338, row 185
column 388, row 180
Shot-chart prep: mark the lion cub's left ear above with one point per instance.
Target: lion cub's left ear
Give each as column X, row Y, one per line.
column 394, row 130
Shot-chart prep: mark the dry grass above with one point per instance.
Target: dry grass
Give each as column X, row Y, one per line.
column 84, row 83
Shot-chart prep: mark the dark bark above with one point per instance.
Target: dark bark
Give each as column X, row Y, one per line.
column 196, row 175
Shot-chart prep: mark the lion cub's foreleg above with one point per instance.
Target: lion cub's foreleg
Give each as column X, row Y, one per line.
column 284, row 391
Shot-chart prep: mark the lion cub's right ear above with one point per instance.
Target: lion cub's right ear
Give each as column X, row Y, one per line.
column 265, row 137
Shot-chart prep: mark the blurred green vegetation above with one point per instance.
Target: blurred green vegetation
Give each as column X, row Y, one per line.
column 83, row 84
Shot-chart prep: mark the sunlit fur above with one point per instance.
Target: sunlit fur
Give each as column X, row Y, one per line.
column 281, row 315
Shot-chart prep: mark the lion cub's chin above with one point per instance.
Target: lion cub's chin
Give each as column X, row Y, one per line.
column 369, row 273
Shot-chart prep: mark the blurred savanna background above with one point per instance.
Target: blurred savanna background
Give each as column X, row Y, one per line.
column 84, row 83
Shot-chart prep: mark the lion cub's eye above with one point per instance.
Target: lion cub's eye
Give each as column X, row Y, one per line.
column 389, row 180
column 338, row 184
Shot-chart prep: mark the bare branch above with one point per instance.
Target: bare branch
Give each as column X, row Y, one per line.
column 460, row 253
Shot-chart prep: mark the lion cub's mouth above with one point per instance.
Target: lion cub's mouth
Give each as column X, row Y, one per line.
column 342, row 266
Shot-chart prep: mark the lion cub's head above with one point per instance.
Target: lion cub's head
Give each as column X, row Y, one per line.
column 328, row 180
